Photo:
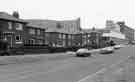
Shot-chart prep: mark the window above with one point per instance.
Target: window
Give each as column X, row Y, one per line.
column 64, row 36
column 88, row 40
column 32, row 31
column 69, row 36
column 84, row 36
column 64, row 43
column 18, row 38
column 31, row 41
column 40, row 41
column 18, row 26
column 60, row 35
column 59, row 25
column 69, row 43
column 47, row 34
column 73, row 37
column 10, row 25
column 88, row 35
column 38, row 32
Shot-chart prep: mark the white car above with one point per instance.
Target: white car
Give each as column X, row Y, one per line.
column 119, row 46
column 70, row 53
column 107, row 50
column 83, row 52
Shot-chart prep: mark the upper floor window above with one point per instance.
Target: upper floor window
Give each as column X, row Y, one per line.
column 59, row 25
column 10, row 25
column 18, row 26
column 32, row 31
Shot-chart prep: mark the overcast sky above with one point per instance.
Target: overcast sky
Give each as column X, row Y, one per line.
column 92, row 12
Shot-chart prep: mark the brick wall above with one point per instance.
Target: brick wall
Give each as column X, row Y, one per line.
column 10, row 34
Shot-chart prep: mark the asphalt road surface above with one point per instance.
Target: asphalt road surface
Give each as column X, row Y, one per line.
column 65, row 68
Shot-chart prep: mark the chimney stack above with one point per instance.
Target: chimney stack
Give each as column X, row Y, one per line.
column 15, row 14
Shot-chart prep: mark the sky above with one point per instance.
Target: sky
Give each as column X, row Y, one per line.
column 93, row 13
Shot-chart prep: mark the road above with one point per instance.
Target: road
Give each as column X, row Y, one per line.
column 66, row 68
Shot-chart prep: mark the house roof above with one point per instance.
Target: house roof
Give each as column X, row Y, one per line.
column 38, row 23
column 63, row 31
column 96, row 30
column 66, row 26
column 6, row 16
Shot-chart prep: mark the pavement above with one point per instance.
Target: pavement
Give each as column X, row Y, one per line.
column 63, row 68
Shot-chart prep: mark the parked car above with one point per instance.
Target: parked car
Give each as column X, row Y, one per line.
column 83, row 52
column 70, row 53
column 132, row 42
column 118, row 46
column 107, row 50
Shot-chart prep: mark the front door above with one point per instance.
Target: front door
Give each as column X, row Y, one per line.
column 10, row 40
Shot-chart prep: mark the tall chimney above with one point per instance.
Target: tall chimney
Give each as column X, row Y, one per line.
column 15, row 14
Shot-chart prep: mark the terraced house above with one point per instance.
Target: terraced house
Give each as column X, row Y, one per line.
column 34, row 35
column 12, row 29
column 58, row 33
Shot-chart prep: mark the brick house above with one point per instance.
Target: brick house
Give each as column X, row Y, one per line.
column 59, row 33
column 123, row 32
column 91, row 37
column 34, row 35
column 12, row 28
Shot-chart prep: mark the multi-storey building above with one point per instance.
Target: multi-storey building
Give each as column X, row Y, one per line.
column 129, row 32
column 91, row 37
column 114, row 33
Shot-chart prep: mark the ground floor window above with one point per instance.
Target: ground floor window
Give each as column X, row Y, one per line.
column 40, row 41
column 18, row 38
column 64, row 43
column 31, row 41
column 69, row 43
column 105, row 38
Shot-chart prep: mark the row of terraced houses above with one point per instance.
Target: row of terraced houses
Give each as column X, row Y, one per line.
column 54, row 33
